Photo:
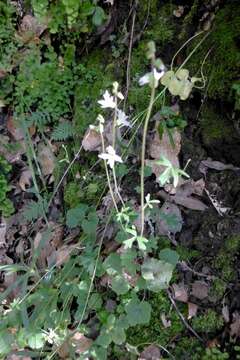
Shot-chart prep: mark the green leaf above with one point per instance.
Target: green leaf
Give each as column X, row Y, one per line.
column 157, row 274
column 128, row 261
column 119, row 285
column 138, row 312
column 98, row 16
column 112, row 264
column 118, row 335
column 104, row 339
column 95, row 301
column 76, row 215
column 6, row 341
column 141, row 242
column 36, row 340
column 169, row 256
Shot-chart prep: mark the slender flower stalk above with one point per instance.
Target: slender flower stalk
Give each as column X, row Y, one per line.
column 108, row 176
column 149, row 111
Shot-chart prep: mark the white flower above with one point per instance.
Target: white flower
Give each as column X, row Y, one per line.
column 108, row 101
column 122, row 119
column 148, row 77
column 110, row 156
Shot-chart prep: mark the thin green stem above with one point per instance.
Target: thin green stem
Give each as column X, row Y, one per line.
column 116, row 187
column 149, row 111
column 108, row 176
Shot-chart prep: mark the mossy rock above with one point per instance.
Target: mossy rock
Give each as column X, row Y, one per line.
column 215, row 127
column 222, row 66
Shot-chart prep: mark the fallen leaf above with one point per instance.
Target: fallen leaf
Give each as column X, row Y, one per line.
column 179, row 11
column 61, row 255
column 164, row 147
column 180, row 292
column 78, row 341
column 91, row 140
column 166, row 323
column 189, row 202
column 151, row 352
column 215, row 165
column 235, row 326
column 225, row 313
column 169, row 220
column 14, row 129
column 31, row 29
column 25, row 180
column 192, row 310
column 81, row 343
column 200, row 289
column 46, row 159
column 3, row 229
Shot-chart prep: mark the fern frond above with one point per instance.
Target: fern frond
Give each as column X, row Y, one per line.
column 62, row 131
column 34, row 210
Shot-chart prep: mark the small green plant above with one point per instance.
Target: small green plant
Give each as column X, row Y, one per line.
column 208, row 322
column 6, row 206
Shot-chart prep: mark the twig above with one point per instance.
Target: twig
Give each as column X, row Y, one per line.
column 183, row 318
column 130, row 54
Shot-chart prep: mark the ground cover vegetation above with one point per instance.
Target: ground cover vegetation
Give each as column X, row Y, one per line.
column 119, row 179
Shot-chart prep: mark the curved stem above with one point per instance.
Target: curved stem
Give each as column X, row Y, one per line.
column 149, row 111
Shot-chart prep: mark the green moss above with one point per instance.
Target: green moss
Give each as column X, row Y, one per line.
column 208, row 322
column 232, row 244
column 215, row 128
column 96, row 75
column 6, row 206
column 186, row 254
column 72, row 194
column 218, row 289
column 155, row 332
column 223, row 64
column 224, row 264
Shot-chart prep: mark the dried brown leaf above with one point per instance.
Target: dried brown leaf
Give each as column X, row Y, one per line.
column 3, row 229
column 163, row 147
column 180, row 292
column 14, row 129
column 192, row 310
column 46, row 159
column 200, row 289
column 151, row 352
column 91, row 140
column 235, row 326
column 25, row 180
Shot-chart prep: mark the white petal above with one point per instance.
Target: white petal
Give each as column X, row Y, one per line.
column 110, row 150
column 144, row 79
column 103, row 156
column 118, row 158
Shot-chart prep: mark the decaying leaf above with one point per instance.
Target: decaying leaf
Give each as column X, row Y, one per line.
column 46, row 159
column 151, row 352
column 91, row 140
column 180, row 292
column 215, row 165
column 192, row 310
column 25, row 180
column 190, row 202
column 235, row 326
column 31, row 28
column 166, row 322
column 61, row 255
column 169, row 220
column 164, row 147
column 200, row 289
column 179, row 11
column 3, row 229
column 14, row 129
column 225, row 313
column 79, row 342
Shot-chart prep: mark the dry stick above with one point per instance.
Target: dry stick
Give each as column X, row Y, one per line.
column 129, row 56
column 183, row 318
